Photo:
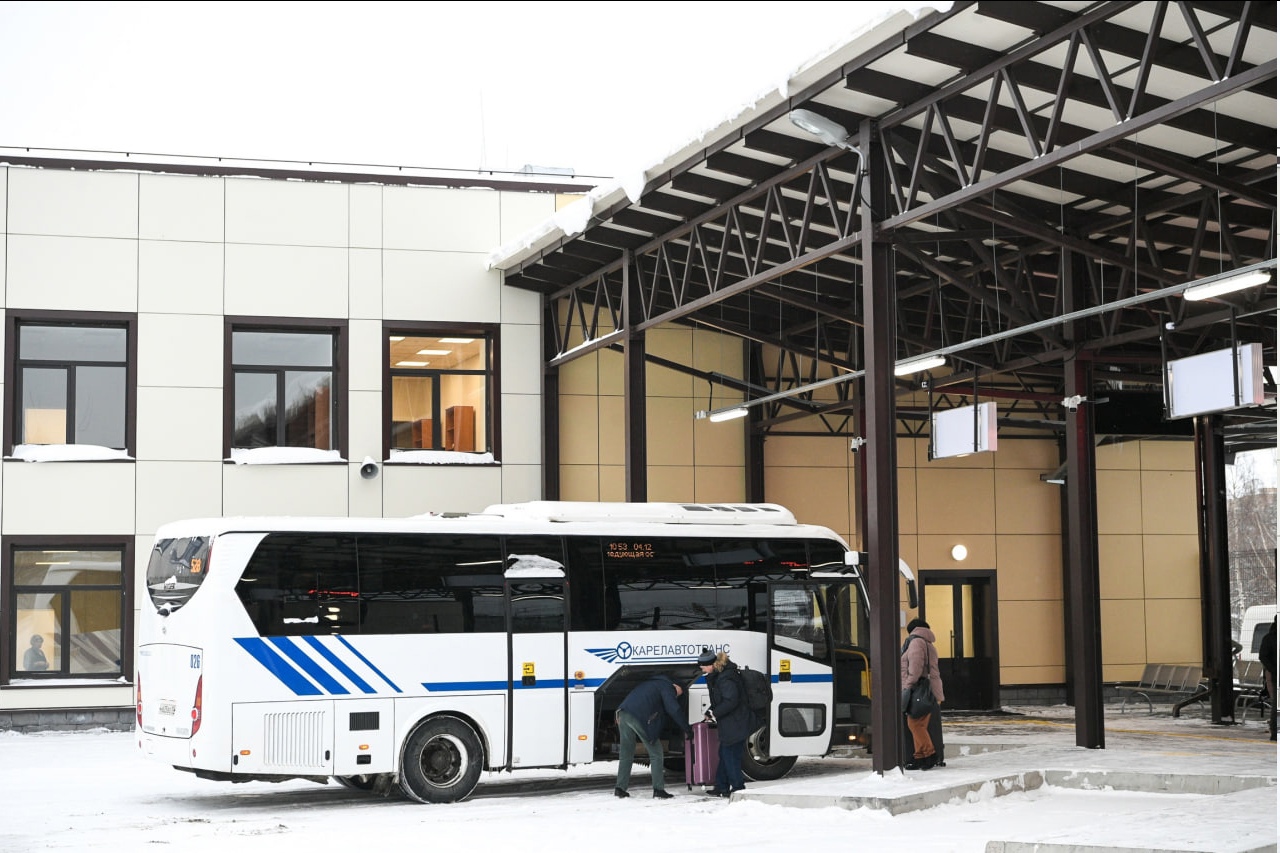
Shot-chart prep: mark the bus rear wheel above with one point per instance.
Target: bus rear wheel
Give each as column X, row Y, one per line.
column 442, row 761
column 759, row 766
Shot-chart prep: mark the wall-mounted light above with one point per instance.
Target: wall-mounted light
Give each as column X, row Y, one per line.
column 1230, row 284
column 959, row 552
column 916, row 365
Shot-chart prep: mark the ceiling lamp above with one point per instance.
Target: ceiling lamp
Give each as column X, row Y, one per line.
column 830, row 132
column 1230, row 284
column 917, row 365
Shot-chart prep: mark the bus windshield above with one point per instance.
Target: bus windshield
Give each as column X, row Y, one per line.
column 176, row 570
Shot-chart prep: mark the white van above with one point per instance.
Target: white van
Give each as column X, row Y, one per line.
column 1256, row 622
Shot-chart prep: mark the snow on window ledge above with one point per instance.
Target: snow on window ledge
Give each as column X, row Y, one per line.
column 440, row 457
column 66, row 453
column 282, row 456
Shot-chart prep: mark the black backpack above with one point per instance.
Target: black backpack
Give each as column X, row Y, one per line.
column 759, row 692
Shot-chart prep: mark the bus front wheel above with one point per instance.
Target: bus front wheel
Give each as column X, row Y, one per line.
column 442, row 761
column 759, row 766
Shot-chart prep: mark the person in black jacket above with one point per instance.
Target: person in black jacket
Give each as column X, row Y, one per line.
column 732, row 716
column 1267, row 654
column 640, row 717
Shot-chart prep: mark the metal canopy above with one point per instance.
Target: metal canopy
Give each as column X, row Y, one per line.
column 1129, row 147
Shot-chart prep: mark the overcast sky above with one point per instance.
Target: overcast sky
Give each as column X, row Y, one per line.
column 601, row 88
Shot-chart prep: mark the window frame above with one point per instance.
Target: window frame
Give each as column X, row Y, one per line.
column 341, row 364
column 16, row 319
column 11, row 644
column 490, row 332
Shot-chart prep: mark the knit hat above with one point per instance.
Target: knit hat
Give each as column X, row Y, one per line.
column 707, row 658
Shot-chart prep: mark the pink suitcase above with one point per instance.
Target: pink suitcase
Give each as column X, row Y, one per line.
column 701, row 755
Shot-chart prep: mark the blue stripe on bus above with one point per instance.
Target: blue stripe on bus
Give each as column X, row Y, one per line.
column 278, row 667
column 368, row 663
column 309, row 666
column 542, row 684
column 814, row 678
column 314, row 642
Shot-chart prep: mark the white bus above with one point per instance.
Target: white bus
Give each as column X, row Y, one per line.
column 413, row 654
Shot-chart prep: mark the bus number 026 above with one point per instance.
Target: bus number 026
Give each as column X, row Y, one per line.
column 195, row 661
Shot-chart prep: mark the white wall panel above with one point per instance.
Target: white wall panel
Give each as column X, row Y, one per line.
column 442, row 286
column 308, row 490
column 286, row 281
column 366, row 217
column 440, row 219
column 521, row 359
column 180, row 424
column 365, row 346
column 180, row 350
column 4, row 219
column 366, row 495
column 290, row 213
column 365, row 425
column 72, row 273
column 170, row 491
column 178, row 207
column 521, row 306
column 521, row 483
column 415, row 489
column 521, row 212
column 180, row 278
column 73, row 204
column 521, row 429
column 364, row 282
column 62, row 498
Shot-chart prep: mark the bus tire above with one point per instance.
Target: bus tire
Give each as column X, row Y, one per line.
column 442, row 761
column 759, row 766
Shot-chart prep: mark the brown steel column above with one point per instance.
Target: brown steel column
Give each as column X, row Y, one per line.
column 879, row 464
column 635, row 428
column 754, row 439
column 1215, row 578
column 550, row 406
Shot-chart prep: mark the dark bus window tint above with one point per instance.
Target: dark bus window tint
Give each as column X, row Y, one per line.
column 435, row 584
column 537, row 606
column 826, row 555
column 589, row 608
column 662, row 583
column 302, row 583
column 175, row 571
column 743, row 566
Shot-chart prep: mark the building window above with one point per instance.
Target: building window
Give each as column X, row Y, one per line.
column 285, row 386
column 442, row 390
column 68, row 618
column 73, row 379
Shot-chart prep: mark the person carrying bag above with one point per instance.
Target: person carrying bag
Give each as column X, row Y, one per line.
column 922, row 694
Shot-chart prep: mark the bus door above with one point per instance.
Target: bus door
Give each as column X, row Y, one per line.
column 801, row 666
column 534, row 588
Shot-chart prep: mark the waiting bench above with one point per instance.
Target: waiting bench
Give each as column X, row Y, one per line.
column 1251, row 690
column 1162, row 679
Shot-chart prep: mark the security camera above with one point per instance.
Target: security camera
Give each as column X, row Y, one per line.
column 368, row 468
column 855, row 444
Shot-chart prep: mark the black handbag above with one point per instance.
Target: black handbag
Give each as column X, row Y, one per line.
column 917, row 700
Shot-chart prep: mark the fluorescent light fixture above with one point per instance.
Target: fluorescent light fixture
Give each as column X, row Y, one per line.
column 830, row 132
column 434, row 351
column 457, row 340
column 412, row 363
column 727, row 414
column 916, row 365
column 1226, row 285
column 397, row 338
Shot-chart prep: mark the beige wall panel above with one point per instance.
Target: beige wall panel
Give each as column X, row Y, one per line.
column 1031, row 633
column 287, row 213
column 579, row 483
column 714, row 445
column 668, row 483
column 172, row 490
column 955, row 501
column 441, row 220
column 1124, row 631
column 1040, row 455
column 986, row 460
column 521, row 359
column 579, row 430
column 673, row 344
column 908, row 518
column 307, row 490
column 415, row 489
column 1118, row 457
column 286, row 281
column 89, row 273
column 364, row 427
column 716, row 352
column 814, row 495
column 66, row 203
column 719, row 484
column 521, row 429
column 364, row 283
column 179, row 278
column 609, row 367
column 669, row 425
column 181, row 351
column 1119, row 502
column 67, row 498
column 578, row 376
column 1172, row 566
column 1115, row 673
column 439, row 286
column 1120, row 566
column 935, row 552
column 1168, row 502
column 612, row 441
column 613, row 483
column 1030, row 566
column 179, row 424
column 179, row 207
column 1011, row 675
column 1168, row 455
column 364, row 339
column 1024, row 504
column 521, row 483
column 1173, row 631
column 520, row 212
column 365, row 215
